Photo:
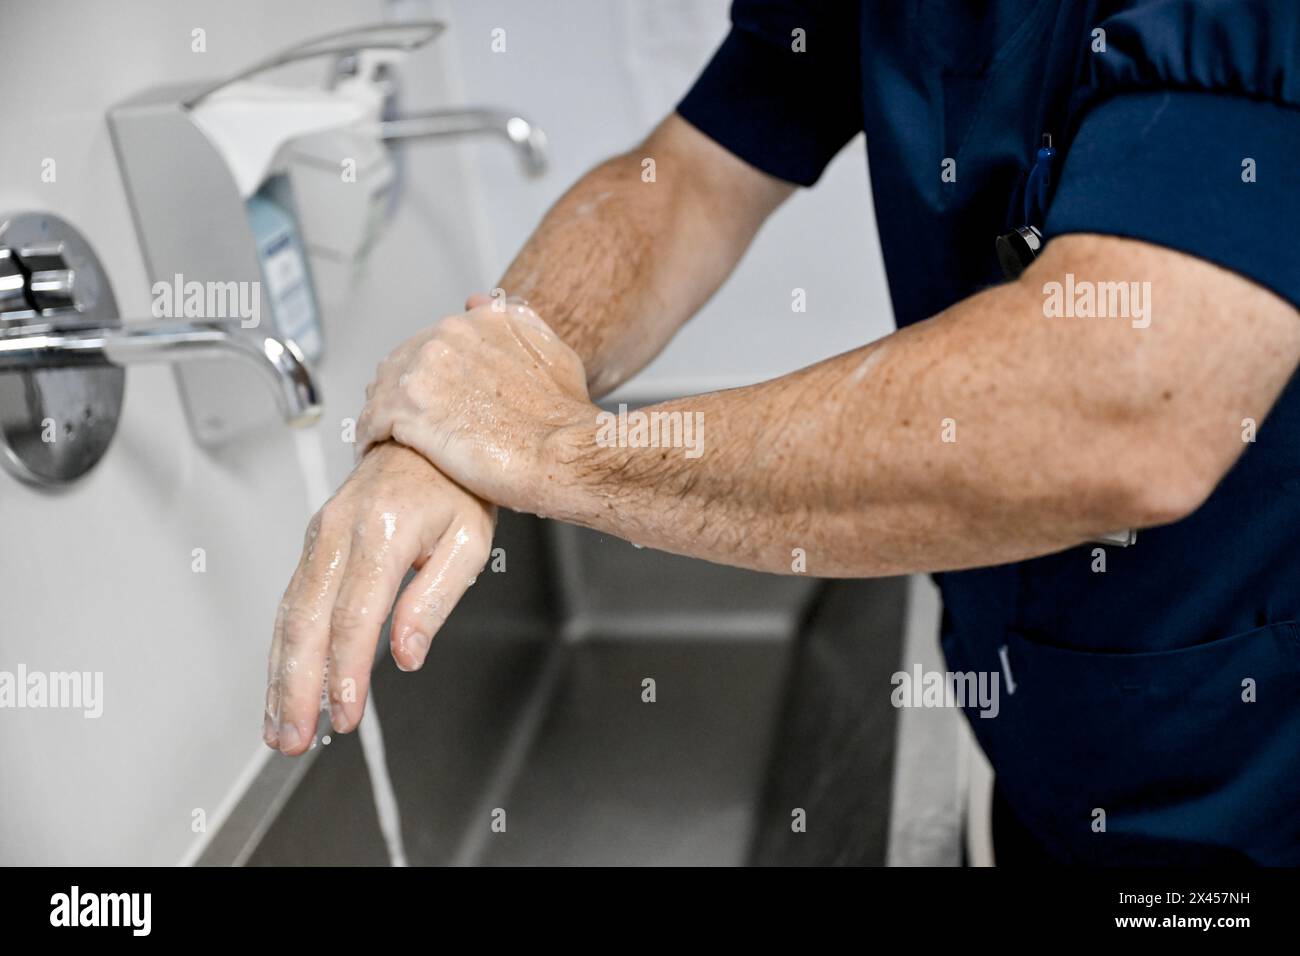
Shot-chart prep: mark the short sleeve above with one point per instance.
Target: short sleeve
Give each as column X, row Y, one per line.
column 783, row 91
column 1188, row 137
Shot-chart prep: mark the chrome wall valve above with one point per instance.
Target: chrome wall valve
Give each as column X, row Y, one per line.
column 63, row 349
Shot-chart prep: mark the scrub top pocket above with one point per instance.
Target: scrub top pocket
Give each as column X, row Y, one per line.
column 1189, row 756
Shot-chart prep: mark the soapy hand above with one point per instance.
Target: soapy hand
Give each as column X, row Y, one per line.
column 395, row 512
column 478, row 395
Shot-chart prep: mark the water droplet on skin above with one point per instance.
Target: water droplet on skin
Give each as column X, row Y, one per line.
column 291, row 665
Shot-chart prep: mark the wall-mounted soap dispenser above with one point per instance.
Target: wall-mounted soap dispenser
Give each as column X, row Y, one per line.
column 233, row 182
column 286, row 275
column 199, row 165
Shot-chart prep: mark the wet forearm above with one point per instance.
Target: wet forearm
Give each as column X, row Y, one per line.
column 985, row 435
column 637, row 246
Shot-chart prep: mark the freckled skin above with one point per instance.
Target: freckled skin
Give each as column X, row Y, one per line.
column 441, row 390
column 1065, row 429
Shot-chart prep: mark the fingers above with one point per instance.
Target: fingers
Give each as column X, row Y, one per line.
column 297, row 665
column 414, row 397
column 387, row 377
column 271, row 711
column 356, row 552
column 369, row 432
column 440, row 583
column 476, row 300
column 564, row 366
column 382, row 550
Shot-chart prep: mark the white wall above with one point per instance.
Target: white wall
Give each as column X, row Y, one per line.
column 597, row 75
column 99, row 578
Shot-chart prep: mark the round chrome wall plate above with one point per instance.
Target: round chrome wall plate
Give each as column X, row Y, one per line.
column 55, row 424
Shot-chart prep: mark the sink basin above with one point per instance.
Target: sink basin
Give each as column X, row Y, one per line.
column 770, row 694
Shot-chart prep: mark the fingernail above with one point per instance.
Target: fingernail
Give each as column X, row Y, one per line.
column 339, row 719
column 268, row 733
column 416, row 646
column 290, row 737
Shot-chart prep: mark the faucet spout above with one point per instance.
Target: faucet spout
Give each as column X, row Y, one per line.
column 280, row 362
column 528, row 139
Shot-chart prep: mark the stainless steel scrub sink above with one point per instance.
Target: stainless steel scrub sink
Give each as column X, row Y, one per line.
column 770, row 693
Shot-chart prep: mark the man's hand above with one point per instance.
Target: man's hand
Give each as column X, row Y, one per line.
column 395, row 512
column 479, row 395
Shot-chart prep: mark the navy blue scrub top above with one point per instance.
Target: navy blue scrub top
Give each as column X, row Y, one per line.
column 1129, row 684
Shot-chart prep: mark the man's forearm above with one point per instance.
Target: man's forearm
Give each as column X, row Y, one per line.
column 985, row 435
column 846, row 461
column 638, row 245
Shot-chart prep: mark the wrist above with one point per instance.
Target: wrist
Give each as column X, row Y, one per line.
column 561, row 488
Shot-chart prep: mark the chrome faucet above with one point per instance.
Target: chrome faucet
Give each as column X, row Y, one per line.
column 530, row 140
column 280, row 362
column 64, row 349
column 345, row 46
column 397, row 126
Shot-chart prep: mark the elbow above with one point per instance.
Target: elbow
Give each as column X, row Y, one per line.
column 1157, row 483
column 1170, row 498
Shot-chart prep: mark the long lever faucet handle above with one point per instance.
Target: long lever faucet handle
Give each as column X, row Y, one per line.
column 280, row 362
column 63, row 352
column 530, row 140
